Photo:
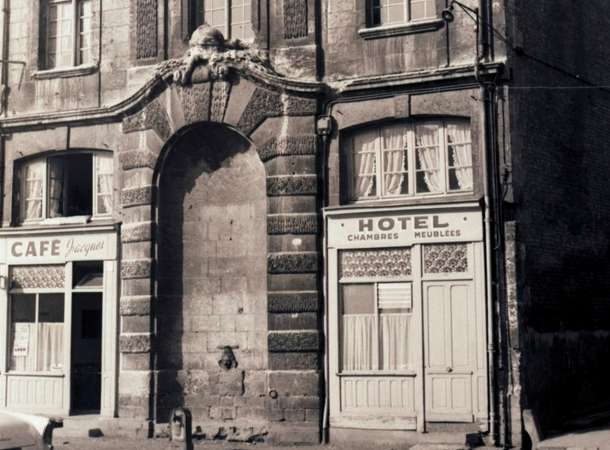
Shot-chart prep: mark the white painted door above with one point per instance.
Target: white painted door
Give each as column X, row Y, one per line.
column 450, row 350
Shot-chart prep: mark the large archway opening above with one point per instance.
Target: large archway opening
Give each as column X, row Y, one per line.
column 211, row 275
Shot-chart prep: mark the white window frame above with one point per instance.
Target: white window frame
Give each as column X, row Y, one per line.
column 76, row 35
column 443, row 161
column 227, row 9
column 36, row 292
column 45, row 188
column 407, row 7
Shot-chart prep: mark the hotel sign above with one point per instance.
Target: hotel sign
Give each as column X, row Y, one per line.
column 403, row 228
column 59, row 248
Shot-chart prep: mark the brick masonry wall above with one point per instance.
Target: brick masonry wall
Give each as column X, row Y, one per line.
column 560, row 170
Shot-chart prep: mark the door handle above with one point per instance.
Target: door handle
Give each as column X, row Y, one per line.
column 449, row 369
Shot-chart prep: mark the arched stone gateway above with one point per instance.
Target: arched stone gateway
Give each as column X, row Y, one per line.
column 189, row 161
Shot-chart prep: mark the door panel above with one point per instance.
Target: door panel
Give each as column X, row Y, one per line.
column 449, row 348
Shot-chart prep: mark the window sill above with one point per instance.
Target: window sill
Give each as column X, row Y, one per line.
column 65, row 72
column 400, row 30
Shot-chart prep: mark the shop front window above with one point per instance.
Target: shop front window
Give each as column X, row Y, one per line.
column 376, row 310
column 37, row 332
column 66, row 185
column 408, row 160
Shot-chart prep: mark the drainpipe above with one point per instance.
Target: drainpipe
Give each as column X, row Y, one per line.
column 6, row 7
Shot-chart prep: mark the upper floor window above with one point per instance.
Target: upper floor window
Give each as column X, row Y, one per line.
column 421, row 158
column 396, row 12
column 66, row 33
column 231, row 17
column 65, row 185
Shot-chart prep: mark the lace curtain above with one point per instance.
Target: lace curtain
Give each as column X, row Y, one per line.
column 458, row 140
column 362, row 342
column 394, row 155
column 364, row 164
column 426, row 137
column 46, row 355
column 33, row 174
column 104, row 183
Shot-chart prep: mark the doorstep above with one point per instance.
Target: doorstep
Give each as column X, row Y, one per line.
column 91, row 425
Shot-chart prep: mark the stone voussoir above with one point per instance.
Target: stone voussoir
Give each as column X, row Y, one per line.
column 292, row 262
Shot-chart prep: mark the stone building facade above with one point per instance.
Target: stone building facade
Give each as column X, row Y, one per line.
column 305, row 219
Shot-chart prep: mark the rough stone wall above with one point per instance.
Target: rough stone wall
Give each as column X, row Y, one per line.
column 560, row 170
column 211, row 278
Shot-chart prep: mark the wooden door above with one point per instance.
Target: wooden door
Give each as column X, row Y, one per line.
column 450, row 350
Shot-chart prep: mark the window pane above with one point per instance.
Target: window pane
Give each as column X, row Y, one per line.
column 104, row 183
column 59, row 34
column 33, row 179
column 84, row 32
column 359, row 342
column 23, row 332
column 395, row 161
column 365, row 164
column 50, row 332
column 429, row 177
column 459, row 156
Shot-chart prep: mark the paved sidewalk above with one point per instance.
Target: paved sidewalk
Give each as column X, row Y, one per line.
column 105, row 443
column 593, row 438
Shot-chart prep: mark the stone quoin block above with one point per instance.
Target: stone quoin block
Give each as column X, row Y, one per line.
column 289, row 383
column 301, row 262
column 292, row 165
column 293, row 321
column 292, row 185
column 136, row 196
column 292, row 223
column 135, row 343
column 293, row 302
column 294, row 361
column 136, row 159
column 136, row 232
column 293, row 341
column 139, row 268
column 288, row 145
column 136, row 305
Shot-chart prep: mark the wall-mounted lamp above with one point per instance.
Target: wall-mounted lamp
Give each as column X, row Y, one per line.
column 448, row 16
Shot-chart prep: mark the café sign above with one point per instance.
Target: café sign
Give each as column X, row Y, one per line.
column 59, row 248
column 404, row 228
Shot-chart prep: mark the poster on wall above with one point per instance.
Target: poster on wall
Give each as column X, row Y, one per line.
column 21, row 339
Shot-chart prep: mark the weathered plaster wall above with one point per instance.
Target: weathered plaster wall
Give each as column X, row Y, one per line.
column 560, row 171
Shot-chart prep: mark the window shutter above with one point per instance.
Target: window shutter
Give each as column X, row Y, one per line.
column 394, row 295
